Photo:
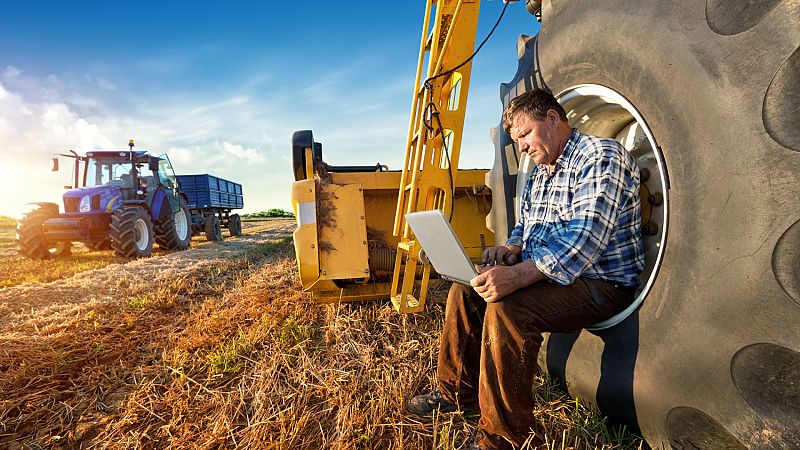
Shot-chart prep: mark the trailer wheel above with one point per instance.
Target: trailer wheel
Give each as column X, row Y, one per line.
column 235, row 225
column 30, row 236
column 174, row 232
column 726, row 127
column 131, row 232
column 212, row 228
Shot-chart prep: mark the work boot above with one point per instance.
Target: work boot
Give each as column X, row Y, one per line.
column 423, row 406
column 473, row 445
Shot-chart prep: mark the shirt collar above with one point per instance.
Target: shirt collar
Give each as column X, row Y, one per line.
column 572, row 143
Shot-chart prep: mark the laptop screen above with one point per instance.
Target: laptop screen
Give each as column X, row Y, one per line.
column 441, row 245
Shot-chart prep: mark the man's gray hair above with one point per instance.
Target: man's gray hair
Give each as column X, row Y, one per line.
column 534, row 104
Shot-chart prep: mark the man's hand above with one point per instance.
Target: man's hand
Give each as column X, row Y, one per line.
column 501, row 256
column 494, row 283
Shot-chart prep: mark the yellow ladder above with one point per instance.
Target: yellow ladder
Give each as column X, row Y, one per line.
column 434, row 143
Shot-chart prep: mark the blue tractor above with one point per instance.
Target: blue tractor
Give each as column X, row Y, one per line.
column 124, row 200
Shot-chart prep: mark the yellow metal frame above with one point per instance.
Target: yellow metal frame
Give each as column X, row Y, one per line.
column 425, row 182
column 353, row 259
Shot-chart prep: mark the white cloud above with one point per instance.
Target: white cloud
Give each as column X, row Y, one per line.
column 11, row 72
column 241, row 134
column 215, row 156
column 247, row 155
column 182, row 156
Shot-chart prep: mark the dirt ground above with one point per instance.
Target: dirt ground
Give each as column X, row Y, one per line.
column 20, row 304
column 218, row 347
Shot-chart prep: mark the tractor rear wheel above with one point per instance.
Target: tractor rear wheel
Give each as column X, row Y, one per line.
column 131, row 232
column 212, row 228
column 30, row 236
column 174, row 232
column 235, row 225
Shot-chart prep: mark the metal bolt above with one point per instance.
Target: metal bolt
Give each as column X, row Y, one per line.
column 650, row 229
column 655, row 199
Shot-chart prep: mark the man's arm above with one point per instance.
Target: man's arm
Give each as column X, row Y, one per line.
column 494, row 283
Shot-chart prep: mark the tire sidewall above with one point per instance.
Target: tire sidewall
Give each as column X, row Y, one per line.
column 123, row 232
column 723, row 221
column 185, row 241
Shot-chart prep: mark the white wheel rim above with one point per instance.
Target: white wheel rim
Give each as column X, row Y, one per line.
column 597, row 109
column 141, row 235
column 181, row 224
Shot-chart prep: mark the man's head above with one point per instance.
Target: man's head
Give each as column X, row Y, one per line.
column 538, row 123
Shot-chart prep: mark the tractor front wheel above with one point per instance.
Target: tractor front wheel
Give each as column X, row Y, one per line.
column 30, row 236
column 131, row 232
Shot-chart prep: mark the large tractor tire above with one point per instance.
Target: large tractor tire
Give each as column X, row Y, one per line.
column 131, row 232
column 212, row 228
column 30, row 236
column 235, row 225
column 706, row 96
column 175, row 231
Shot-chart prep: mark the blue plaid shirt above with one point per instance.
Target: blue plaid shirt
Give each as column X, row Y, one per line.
column 583, row 219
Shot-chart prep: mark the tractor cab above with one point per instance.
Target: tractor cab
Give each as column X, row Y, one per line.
column 106, row 179
column 125, row 200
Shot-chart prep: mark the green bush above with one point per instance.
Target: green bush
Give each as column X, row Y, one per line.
column 274, row 212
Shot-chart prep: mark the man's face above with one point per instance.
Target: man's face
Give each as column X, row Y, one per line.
column 540, row 139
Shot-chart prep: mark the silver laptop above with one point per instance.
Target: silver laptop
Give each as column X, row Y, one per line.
column 441, row 245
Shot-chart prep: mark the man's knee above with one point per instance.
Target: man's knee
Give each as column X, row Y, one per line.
column 501, row 312
column 460, row 293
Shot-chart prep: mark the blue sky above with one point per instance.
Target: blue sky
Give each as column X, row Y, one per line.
column 220, row 88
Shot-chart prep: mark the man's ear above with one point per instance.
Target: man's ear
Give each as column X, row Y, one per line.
column 552, row 117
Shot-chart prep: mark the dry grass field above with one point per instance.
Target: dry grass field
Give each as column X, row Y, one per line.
column 217, row 347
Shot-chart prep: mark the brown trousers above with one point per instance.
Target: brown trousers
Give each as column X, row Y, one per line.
column 488, row 351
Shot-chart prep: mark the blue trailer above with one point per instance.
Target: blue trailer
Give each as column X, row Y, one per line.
column 210, row 200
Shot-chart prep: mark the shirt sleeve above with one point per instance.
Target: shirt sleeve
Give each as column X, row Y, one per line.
column 599, row 192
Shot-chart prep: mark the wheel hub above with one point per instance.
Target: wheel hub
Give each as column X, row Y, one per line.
column 600, row 111
column 141, row 235
column 181, row 224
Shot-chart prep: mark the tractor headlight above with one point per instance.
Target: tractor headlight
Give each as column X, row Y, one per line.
column 86, row 204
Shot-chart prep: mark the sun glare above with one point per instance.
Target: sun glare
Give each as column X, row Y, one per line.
column 9, row 185
column 20, row 185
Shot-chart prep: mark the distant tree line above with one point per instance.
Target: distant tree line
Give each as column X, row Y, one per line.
column 10, row 222
column 274, row 212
